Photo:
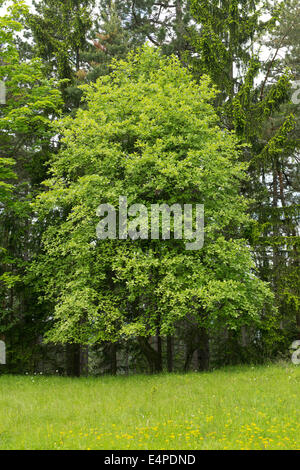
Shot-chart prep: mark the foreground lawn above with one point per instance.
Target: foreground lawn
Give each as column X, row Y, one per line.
column 233, row 408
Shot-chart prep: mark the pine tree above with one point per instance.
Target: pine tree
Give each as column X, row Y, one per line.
column 111, row 41
column 226, row 46
column 284, row 207
column 60, row 30
column 163, row 23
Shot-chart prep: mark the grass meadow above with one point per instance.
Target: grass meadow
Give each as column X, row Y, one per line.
column 231, row 408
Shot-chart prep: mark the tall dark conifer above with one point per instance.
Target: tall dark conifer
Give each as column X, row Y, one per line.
column 226, row 46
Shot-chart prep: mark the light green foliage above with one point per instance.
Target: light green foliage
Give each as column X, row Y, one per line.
column 30, row 98
column 149, row 133
column 32, row 102
column 24, row 118
column 5, row 174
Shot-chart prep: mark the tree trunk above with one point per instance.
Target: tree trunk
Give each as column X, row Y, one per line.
column 170, row 353
column 203, row 350
column 298, row 324
column 113, row 359
column 73, row 360
column 159, row 353
column 180, row 28
column 275, row 234
column 84, row 360
column 189, row 356
column 153, row 357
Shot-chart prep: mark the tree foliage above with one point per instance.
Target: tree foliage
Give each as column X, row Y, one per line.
column 25, row 133
column 148, row 132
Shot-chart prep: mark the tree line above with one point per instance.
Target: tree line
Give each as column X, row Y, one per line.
column 164, row 102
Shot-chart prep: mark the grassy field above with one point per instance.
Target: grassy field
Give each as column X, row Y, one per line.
column 232, row 408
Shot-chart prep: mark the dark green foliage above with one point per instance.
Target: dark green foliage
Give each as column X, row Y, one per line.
column 46, row 54
column 60, row 30
column 254, row 102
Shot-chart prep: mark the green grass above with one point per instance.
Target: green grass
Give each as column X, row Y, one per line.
column 232, row 408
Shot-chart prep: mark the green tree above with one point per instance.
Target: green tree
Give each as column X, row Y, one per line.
column 284, row 206
column 25, row 134
column 123, row 26
column 148, row 132
column 60, row 30
column 254, row 93
column 112, row 40
column 163, row 23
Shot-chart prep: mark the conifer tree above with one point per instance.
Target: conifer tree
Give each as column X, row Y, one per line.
column 60, row 30
column 226, row 46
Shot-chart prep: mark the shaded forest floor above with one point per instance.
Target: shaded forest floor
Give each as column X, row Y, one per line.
column 232, row 408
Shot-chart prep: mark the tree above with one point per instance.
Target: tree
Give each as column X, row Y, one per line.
column 165, row 24
column 284, row 210
column 148, row 132
column 112, row 40
column 60, row 30
column 25, row 134
column 58, row 27
column 123, row 26
column 226, row 47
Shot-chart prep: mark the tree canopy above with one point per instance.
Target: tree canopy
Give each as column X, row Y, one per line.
column 148, row 132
